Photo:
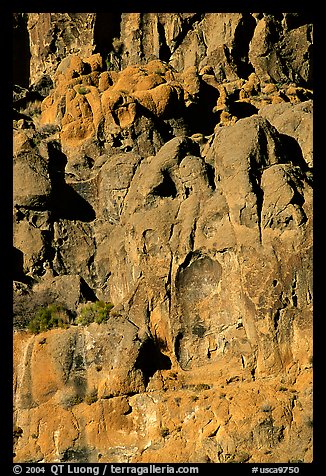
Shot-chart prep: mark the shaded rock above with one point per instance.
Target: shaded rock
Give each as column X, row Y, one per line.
column 32, row 243
column 278, row 55
column 113, row 182
column 296, row 122
column 283, row 197
column 73, row 256
column 68, row 290
column 32, row 185
column 79, row 363
column 240, row 170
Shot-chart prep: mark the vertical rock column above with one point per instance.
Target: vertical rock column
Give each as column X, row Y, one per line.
column 53, row 36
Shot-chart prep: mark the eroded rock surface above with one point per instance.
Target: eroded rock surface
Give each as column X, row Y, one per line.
column 165, row 168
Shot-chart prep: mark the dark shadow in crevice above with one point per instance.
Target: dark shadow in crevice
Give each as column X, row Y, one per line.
column 18, row 267
column 191, row 256
column 199, row 116
column 150, row 359
column 242, row 109
column 292, row 152
column 65, row 201
column 57, row 164
column 67, row 204
column 210, row 172
column 177, row 346
column 166, row 188
column 297, row 198
column 164, row 51
column 242, row 37
column 255, row 178
column 295, row 20
column 86, row 291
column 17, row 264
column 106, row 28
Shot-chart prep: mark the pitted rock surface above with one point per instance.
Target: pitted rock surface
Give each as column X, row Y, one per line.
column 163, row 163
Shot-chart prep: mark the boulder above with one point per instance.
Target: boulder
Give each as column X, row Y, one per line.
column 31, row 184
column 296, row 122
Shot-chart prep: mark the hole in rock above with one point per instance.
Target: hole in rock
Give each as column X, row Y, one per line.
column 151, row 359
column 167, row 188
column 187, row 191
column 276, row 318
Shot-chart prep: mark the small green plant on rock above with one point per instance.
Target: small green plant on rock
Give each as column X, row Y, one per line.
column 108, row 63
column 91, row 397
column 82, row 90
column 49, row 317
column 98, row 312
column 165, row 431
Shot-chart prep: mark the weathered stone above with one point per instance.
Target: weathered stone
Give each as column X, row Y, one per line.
column 74, row 248
column 168, row 172
column 30, row 241
column 49, row 46
column 32, row 185
column 296, row 122
column 66, row 289
column 277, row 54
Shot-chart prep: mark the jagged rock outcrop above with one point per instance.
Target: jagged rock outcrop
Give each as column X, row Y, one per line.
column 163, row 163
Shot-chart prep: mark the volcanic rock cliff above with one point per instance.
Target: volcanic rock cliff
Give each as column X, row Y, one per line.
column 163, row 164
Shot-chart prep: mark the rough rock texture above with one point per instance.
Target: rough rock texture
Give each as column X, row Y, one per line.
column 163, row 162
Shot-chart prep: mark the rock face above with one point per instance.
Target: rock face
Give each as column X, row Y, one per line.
column 163, row 163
